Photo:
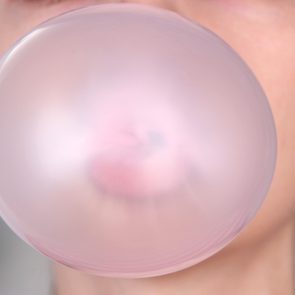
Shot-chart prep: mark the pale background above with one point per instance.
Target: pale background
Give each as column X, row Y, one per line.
column 23, row 270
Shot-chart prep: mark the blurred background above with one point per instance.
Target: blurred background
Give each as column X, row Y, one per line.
column 23, row 270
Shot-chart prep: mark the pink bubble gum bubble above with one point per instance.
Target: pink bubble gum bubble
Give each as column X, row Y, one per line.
column 133, row 142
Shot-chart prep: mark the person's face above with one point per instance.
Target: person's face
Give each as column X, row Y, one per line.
column 262, row 32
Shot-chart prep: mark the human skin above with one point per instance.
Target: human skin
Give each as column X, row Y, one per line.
column 261, row 259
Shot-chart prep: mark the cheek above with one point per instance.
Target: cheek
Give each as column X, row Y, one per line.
column 17, row 18
column 279, row 207
column 271, row 64
column 279, row 86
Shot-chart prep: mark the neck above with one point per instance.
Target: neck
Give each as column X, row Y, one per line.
column 264, row 268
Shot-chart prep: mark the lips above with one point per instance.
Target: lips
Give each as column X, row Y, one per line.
column 137, row 167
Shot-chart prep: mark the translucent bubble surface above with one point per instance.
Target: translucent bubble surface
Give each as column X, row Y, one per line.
column 133, row 142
